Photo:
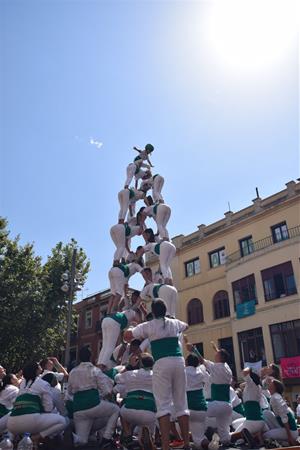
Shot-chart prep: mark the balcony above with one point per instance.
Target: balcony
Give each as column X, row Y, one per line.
column 263, row 244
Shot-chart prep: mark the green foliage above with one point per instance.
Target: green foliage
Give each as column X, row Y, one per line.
column 33, row 308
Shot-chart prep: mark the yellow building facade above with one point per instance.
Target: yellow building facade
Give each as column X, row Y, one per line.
column 238, row 281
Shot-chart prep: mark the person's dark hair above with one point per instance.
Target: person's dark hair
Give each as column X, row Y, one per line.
column 148, row 270
column 50, row 378
column 85, row 354
column 135, row 343
column 275, row 371
column 6, row 380
column 255, row 377
column 135, row 294
column 158, row 309
column 151, row 235
column 224, row 355
column 147, row 360
column 192, row 360
column 44, row 362
column 149, row 317
column 150, row 200
column 140, row 260
column 149, row 148
column 278, row 386
column 30, row 371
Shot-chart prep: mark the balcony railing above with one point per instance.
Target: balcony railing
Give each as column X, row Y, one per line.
column 262, row 244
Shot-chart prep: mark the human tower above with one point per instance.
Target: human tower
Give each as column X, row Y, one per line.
column 123, row 308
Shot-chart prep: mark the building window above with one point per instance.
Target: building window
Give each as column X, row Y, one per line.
column 280, row 232
column 221, row 305
column 244, row 290
column 285, row 339
column 246, row 246
column 192, row 267
column 88, row 319
column 199, row 347
column 252, row 348
column 194, row 311
column 217, row 257
column 279, row 281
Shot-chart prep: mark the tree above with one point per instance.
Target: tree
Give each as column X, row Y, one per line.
column 32, row 305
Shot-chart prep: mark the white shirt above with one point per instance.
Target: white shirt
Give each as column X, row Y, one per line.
column 234, row 398
column 58, row 375
column 41, row 388
column 298, row 410
column 148, row 211
column 147, row 291
column 134, row 268
column 195, row 378
column 134, row 380
column 159, row 329
column 9, row 395
column 220, row 373
column 252, row 392
column 87, row 376
column 279, row 407
column 57, row 398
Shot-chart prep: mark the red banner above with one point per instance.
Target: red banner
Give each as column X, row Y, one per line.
column 290, row 367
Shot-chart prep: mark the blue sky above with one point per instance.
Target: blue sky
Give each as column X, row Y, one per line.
column 222, row 114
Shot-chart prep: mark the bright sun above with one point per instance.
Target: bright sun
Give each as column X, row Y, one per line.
column 252, row 34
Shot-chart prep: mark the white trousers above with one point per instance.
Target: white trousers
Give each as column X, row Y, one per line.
column 3, row 423
column 198, row 425
column 157, row 187
column 162, row 217
column 236, row 415
column 222, row 411
column 117, row 233
column 103, row 415
column 254, row 426
column 169, row 386
column 169, row 295
column 46, row 424
column 130, row 171
column 275, row 430
column 167, row 253
column 123, row 197
column 139, row 417
column 110, row 333
column 117, row 281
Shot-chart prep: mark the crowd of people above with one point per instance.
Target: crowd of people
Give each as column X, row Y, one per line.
column 141, row 391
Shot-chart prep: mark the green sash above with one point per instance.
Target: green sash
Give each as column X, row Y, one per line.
column 220, row 392
column 111, row 373
column 27, row 404
column 127, row 229
column 292, row 421
column 157, row 249
column 137, row 170
column 156, row 288
column 196, row 400
column 162, row 348
column 140, row 400
column 156, row 175
column 131, row 193
column 253, row 410
column 137, row 158
column 70, row 408
column 3, row 410
column 85, row 399
column 125, row 269
column 239, row 409
column 120, row 318
column 155, row 209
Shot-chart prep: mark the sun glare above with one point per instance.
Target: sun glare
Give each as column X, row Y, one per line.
column 252, row 34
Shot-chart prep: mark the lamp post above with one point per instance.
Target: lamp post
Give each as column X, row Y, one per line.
column 71, row 283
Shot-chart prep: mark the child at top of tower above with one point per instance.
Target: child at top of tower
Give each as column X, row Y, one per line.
column 134, row 169
column 144, row 154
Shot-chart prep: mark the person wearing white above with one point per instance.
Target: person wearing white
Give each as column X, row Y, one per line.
column 127, row 199
column 280, row 420
column 9, row 390
column 237, row 405
column 220, row 378
column 32, row 409
column 161, row 213
column 135, row 387
column 89, row 386
column 298, row 410
column 58, row 402
column 156, row 182
column 166, row 292
column 165, row 251
column 253, row 420
column 119, row 277
column 111, row 327
column 169, row 380
column 195, row 381
column 121, row 234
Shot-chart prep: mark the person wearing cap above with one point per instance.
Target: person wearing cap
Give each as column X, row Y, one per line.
column 91, row 411
column 166, row 292
column 169, row 379
column 139, row 406
column 134, row 169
